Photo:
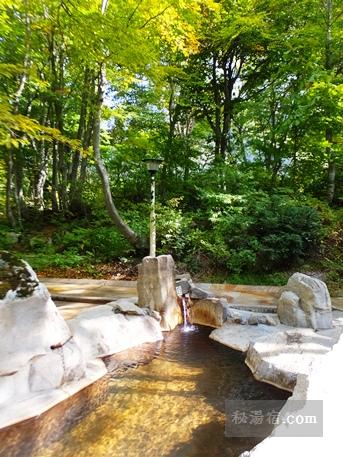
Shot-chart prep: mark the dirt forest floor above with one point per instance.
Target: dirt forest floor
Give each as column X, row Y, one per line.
column 127, row 271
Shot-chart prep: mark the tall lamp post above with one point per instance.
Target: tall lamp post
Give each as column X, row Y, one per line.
column 152, row 165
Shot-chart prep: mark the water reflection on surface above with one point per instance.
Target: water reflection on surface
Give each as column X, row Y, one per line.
column 171, row 406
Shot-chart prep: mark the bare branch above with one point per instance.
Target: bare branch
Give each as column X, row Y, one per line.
column 134, row 12
column 154, row 17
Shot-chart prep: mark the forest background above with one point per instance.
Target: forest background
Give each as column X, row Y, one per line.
column 242, row 99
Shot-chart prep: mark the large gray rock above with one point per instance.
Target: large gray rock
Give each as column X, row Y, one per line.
column 125, row 306
column 198, row 293
column 183, row 286
column 128, row 307
column 305, row 302
column 239, row 316
column 156, row 289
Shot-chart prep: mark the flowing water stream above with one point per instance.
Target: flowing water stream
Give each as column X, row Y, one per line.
column 161, row 400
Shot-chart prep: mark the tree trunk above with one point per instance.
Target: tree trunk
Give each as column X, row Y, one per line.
column 77, row 175
column 228, row 85
column 9, row 185
column 18, row 184
column 331, row 181
column 54, row 179
column 331, row 168
column 329, row 132
column 14, row 164
column 61, row 162
column 123, row 228
column 40, row 173
column 217, row 109
column 74, row 187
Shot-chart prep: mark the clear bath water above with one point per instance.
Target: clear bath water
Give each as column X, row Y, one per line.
column 161, row 400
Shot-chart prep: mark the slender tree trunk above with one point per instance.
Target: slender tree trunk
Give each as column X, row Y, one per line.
column 217, row 109
column 84, row 161
column 54, row 179
column 331, row 168
column 60, row 169
column 42, row 153
column 329, row 133
column 18, row 184
column 227, row 75
column 15, row 161
column 40, row 174
column 39, row 191
column 61, row 163
column 86, row 144
column 9, row 185
column 75, row 192
column 123, row 228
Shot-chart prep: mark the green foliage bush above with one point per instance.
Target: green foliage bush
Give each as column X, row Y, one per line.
column 103, row 243
column 8, row 238
column 240, row 235
column 253, row 232
column 44, row 260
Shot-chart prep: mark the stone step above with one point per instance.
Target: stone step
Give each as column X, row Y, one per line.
column 254, row 308
column 81, row 299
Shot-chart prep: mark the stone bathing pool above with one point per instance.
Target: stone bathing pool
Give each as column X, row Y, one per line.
column 158, row 400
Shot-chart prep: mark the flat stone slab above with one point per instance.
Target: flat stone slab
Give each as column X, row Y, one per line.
column 90, row 288
column 323, row 382
column 337, row 303
column 277, row 354
column 244, row 295
column 278, row 358
column 253, row 298
column 239, row 337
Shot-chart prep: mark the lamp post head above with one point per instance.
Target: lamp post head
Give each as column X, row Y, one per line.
column 153, row 165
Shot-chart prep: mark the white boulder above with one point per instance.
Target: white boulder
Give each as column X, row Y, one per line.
column 37, row 351
column 46, row 372
column 100, row 332
column 29, row 326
